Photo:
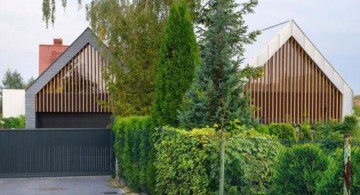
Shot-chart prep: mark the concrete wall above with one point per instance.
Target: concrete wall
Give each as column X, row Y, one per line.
column 13, row 102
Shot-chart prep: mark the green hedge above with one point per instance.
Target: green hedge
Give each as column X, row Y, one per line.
column 332, row 181
column 249, row 161
column 187, row 162
column 133, row 151
column 183, row 161
column 298, row 169
column 282, row 131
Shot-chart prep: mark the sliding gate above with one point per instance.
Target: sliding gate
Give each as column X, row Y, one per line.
column 56, row 152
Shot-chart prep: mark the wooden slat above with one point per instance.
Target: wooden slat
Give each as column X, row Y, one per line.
column 77, row 86
column 294, row 89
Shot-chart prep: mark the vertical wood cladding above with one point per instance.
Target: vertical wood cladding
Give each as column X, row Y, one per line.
column 78, row 87
column 294, row 89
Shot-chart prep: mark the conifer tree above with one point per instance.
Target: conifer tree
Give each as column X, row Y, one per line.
column 216, row 98
column 178, row 58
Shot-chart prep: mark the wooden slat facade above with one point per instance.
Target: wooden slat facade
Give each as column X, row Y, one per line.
column 294, row 89
column 78, row 87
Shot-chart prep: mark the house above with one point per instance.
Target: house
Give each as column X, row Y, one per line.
column 13, row 102
column 298, row 84
column 70, row 92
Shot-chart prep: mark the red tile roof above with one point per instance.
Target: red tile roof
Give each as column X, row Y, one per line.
column 49, row 53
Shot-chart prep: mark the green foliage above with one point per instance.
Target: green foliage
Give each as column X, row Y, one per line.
column 188, row 162
column 132, row 32
column 305, row 131
column 350, row 126
column 332, row 182
column 182, row 161
column 298, row 169
column 132, row 149
column 262, row 129
column 249, row 162
column 178, row 58
column 13, row 122
column 13, row 80
column 332, row 132
column 215, row 97
column 282, row 131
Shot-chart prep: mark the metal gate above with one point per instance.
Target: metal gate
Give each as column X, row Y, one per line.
column 56, row 152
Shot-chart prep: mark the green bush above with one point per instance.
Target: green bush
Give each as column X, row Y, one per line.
column 332, row 181
column 182, row 161
column 249, row 162
column 282, row 131
column 13, row 122
column 262, row 129
column 305, row 131
column 350, row 126
column 187, row 162
column 298, row 169
column 132, row 150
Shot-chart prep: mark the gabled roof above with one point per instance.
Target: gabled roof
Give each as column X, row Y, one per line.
column 291, row 29
column 87, row 37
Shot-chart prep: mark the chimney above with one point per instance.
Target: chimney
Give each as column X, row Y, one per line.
column 58, row 41
column 49, row 53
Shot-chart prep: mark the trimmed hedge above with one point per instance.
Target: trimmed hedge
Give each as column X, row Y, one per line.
column 187, row 162
column 133, row 151
column 332, row 181
column 298, row 169
column 183, row 161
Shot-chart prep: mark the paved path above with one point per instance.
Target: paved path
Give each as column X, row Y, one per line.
column 97, row 185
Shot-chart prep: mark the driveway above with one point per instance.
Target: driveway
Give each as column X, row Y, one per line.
column 94, row 185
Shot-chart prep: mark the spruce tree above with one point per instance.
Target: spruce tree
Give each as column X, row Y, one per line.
column 216, row 97
column 178, row 58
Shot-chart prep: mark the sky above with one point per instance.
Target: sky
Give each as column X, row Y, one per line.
column 332, row 25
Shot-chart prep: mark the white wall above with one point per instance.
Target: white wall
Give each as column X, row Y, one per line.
column 13, row 102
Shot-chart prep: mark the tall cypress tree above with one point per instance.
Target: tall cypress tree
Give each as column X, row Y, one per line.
column 178, row 58
column 216, row 97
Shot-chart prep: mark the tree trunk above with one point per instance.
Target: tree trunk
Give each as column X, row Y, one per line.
column 222, row 164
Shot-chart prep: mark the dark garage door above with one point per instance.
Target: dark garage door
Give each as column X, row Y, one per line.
column 56, row 152
column 72, row 120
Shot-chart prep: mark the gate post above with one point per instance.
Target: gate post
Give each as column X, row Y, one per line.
column 347, row 173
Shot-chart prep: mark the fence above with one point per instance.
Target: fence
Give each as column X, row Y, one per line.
column 56, row 152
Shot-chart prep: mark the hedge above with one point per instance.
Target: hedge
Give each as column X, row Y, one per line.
column 133, row 151
column 183, row 161
column 187, row 162
column 298, row 169
column 332, row 180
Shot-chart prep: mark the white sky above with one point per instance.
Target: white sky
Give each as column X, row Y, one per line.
column 332, row 25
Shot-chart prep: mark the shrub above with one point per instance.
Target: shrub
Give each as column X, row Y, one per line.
column 305, row 131
column 249, row 161
column 350, row 126
column 182, row 161
column 282, row 131
column 262, row 129
column 188, row 162
column 13, row 122
column 132, row 149
column 297, row 170
column 332, row 182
